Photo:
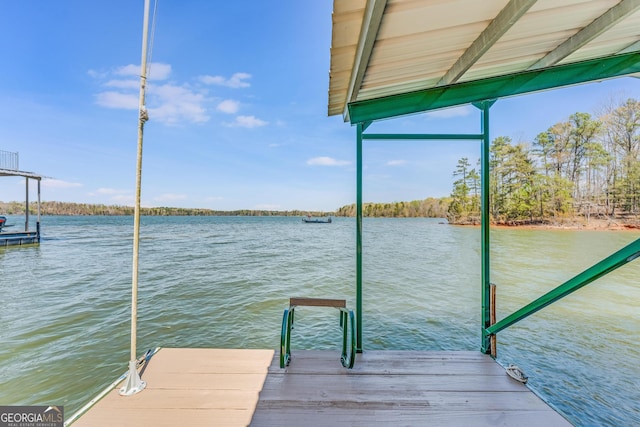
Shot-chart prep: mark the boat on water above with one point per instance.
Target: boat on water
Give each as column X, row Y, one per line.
column 310, row 220
column 248, row 386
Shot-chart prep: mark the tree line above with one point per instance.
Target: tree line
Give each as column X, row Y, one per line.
column 429, row 208
column 65, row 208
column 582, row 167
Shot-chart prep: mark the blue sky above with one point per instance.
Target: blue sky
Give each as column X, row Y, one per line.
column 237, row 99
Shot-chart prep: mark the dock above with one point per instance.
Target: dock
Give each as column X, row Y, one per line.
column 9, row 162
column 232, row 387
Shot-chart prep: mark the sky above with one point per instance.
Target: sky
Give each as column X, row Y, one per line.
column 237, row 97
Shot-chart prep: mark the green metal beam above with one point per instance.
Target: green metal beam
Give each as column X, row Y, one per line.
column 423, row 136
column 494, row 87
column 606, row 266
column 360, row 129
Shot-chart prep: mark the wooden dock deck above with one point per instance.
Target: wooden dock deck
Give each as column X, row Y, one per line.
column 224, row 387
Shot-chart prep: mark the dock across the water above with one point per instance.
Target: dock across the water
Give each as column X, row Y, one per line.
column 230, row 387
column 9, row 167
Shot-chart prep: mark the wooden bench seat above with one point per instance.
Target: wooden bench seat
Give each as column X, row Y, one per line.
column 317, row 302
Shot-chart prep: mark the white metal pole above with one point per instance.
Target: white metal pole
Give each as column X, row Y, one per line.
column 134, row 384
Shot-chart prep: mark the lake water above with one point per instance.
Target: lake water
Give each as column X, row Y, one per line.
column 225, row 281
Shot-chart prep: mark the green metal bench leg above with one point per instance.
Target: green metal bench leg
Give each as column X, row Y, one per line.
column 285, row 337
column 348, row 324
column 347, row 321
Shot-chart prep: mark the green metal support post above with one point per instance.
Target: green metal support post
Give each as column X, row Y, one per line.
column 484, row 137
column 485, row 247
column 361, row 127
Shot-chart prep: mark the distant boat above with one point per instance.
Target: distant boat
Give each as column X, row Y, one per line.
column 310, row 220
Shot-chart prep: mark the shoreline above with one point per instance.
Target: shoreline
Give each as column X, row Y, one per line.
column 590, row 225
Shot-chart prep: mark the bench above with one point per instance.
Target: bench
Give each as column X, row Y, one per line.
column 347, row 322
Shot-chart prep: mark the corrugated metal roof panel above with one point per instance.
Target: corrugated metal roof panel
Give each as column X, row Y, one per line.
column 390, row 47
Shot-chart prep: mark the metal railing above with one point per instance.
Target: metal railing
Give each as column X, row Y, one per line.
column 9, row 160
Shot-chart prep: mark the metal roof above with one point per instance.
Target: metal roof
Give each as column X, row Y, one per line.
column 393, row 57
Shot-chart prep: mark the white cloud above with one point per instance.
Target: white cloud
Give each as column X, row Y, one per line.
column 128, row 70
column 248, row 122
column 97, row 74
column 327, row 161
column 396, row 162
column 157, row 71
column 57, row 183
column 212, row 80
column 111, row 99
column 170, row 102
column 176, row 103
column 448, row 113
column 166, row 103
column 169, row 197
column 229, row 106
column 235, row 81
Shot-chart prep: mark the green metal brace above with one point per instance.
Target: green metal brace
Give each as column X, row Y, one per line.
column 606, row 266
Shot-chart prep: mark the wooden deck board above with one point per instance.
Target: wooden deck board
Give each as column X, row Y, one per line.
column 189, row 387
column 369, row 417
column 399, row 388
column 394, row 363
column 202, row 387
column 169, row 417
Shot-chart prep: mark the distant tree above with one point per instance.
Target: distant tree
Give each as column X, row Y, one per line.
column 622, row 136
column 464, row 205
column 582, row 139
